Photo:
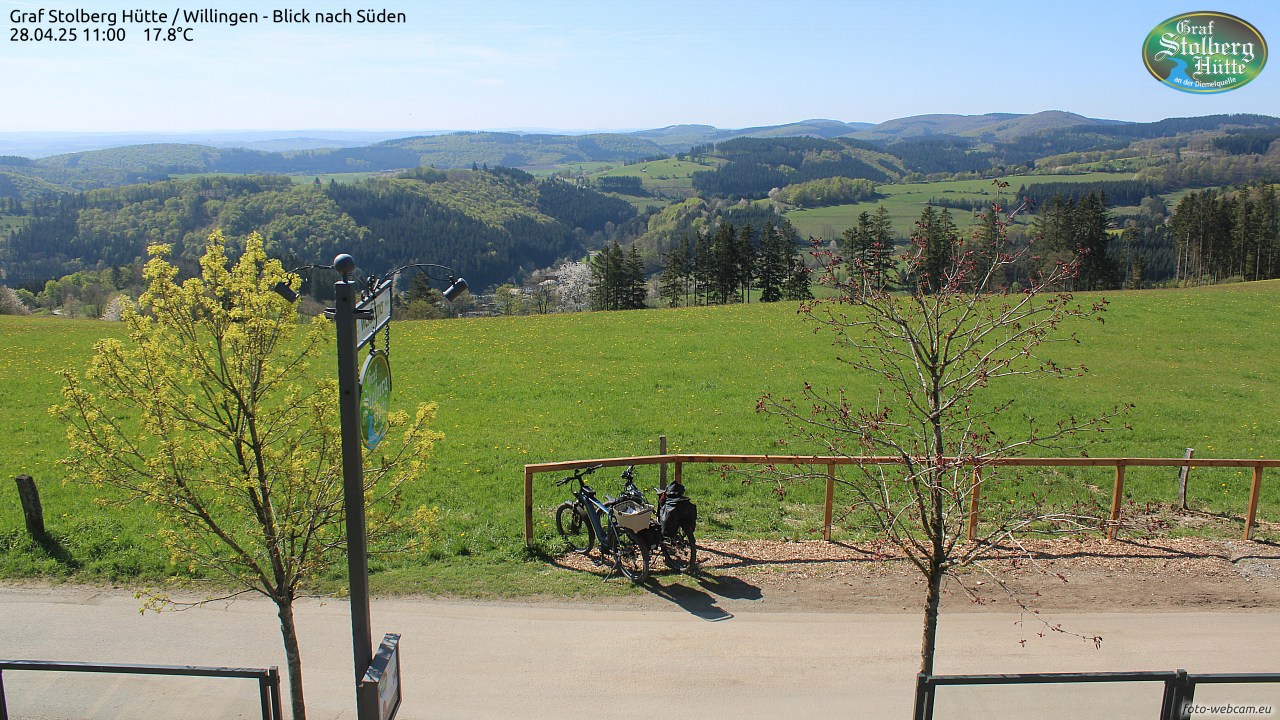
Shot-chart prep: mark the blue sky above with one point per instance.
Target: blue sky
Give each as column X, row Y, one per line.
column 605, row 64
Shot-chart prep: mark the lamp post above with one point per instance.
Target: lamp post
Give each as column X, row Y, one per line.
column 344, row 317
column 377, row 683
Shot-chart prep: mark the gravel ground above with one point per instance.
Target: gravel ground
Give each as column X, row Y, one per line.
column 1064, row 574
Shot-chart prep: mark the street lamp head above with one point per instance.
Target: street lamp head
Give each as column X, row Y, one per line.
column 344, row 264
column 283, row 290
column 457, row 286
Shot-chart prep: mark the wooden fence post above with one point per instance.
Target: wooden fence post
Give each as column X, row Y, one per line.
column 32, row 513
column 974, row 492
column 528, row 507
column 831, row 495
column 1253, row 502
column 679, row 472
column 1183, row 474
column 1116, row 496
column 662, row 469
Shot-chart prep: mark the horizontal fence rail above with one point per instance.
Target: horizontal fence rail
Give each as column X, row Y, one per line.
column 268, row 678
column 678, row 460
column 1179, row 685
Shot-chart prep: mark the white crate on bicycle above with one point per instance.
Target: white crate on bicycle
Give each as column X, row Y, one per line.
column 633, row 515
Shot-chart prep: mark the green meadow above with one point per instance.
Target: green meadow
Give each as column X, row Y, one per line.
column 1199, row 364
column 905, row 202
column 660, row 175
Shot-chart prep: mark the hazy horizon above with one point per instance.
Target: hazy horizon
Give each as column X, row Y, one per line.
column 577, row 65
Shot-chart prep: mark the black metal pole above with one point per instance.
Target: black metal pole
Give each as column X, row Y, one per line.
column 353, row 472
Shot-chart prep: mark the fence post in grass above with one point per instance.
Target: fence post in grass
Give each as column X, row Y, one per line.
column 528, row 507
column 662, row 469
column 1254, row 490
column 1182, row 480
column 1116, row 496
column 973, row 504
column 831, row 495
column 29, row 496
column 679, row 472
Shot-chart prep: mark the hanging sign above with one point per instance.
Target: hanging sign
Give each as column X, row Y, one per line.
column 379, row 304
column 375, row 398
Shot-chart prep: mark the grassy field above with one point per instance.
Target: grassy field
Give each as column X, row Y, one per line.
column 660, row 175
column 9, row 223
column 1199, row 364
column 905, row 201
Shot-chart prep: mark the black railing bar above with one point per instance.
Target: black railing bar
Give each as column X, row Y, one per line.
column 128, row 669
column 1235, row 678
column 1035, row 678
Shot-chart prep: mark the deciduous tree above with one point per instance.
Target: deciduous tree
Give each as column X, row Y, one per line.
column 948, row 357
column 218, row 412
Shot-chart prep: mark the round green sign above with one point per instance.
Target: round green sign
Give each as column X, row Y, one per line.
column 1204, row 52
column 375, row 398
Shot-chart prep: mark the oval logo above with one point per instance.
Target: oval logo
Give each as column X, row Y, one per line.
column 1205, row 52
column 375, row 398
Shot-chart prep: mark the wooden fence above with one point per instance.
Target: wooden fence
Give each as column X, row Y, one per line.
column 831, row 462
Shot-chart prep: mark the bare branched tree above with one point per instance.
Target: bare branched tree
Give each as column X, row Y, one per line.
column 949, row 354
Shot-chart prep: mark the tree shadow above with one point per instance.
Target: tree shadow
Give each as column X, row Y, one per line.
column 56, row 550
column 737, row 560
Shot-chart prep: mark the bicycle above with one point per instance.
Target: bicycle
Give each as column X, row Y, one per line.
column 671, row 530
column 579, row 522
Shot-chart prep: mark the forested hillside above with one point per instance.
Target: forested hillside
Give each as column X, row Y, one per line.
column 457, row 199
column 491, row 226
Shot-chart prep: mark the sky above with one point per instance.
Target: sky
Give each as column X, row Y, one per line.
column 603, row 65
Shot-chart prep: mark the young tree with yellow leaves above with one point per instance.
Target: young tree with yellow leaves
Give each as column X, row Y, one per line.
column 213, row 414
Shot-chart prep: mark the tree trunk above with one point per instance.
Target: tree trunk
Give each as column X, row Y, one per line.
column 932, row 602
column 292, row 656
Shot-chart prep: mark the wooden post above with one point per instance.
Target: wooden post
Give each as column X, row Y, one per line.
column 1182, row 480
column 1253, row 502
column 974, row 492
column 1116, row 496
column 831, row 495
column 662, row 470
column 528, row 507
column 29, row 496
column 680, row 472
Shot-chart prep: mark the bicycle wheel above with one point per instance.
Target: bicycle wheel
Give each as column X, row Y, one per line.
column 680, row 551
column 572, row 523
column 631, row 556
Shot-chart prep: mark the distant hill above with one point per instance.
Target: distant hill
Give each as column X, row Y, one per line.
column 993, row 126
column 39, row 144
column 680, row 138
column 927, row 145
column 462, row 150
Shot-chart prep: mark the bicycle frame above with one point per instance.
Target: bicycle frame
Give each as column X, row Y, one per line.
column 596, row 510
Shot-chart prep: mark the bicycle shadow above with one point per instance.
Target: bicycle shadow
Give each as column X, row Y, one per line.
column 702, row 599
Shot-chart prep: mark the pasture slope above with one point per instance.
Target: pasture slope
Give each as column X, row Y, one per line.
column 1199, row 364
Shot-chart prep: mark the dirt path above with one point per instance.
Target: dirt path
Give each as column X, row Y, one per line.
column 767, row 631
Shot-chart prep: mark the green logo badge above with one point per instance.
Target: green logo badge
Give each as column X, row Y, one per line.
column 1205, row 52
column 375, row 398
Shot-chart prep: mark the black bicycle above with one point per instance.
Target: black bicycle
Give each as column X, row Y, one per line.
column 671, row 524
column 616, row 524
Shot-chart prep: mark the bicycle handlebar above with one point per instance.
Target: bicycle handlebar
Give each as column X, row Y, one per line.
column 579, row 474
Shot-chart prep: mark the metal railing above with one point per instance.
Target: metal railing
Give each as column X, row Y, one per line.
column 268, row 678
column 1176, row 701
